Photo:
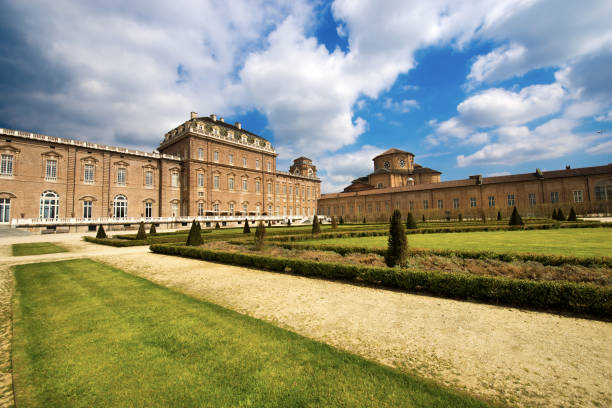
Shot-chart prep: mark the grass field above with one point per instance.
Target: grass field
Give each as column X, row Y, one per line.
column 37, row 248
column 572, row 242
column 90, row 335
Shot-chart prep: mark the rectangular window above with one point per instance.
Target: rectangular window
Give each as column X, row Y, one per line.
column 200, row 154
column 511, row 201
column 51, row 172
column 6, row 165
column 148, row 210
column 473, row 202
column 230, row 183
column 425, row 204
column 369, row 208
column 455, row 203
column 245, row 209
column 200, row 180
column 121, row 176
column 257, row 186
column 378, row 206
column 269, row 188
column 231, row 208
column 440, row 204
column 230, row 158
column 200, row 209
column 215, row 207
column 149, row 178
column 277, row 188
column 87, row 207
column 245, row 185
column 578, row 196
column 244, row 162
column 257, row 164
column 88, row 177
column 491, row 201
column 269, row 166
column 411, row 205
column 554, row 197
column 284, row 189
column 216, row 182
column 216, row 156
column 290, row 189
column 277, row 212
column 532, row 199
column 200, row 194
column 175, row 180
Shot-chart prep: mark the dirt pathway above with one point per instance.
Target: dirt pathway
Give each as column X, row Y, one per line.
column 518, row 357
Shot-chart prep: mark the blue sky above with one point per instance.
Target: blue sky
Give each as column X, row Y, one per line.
column 481, row 87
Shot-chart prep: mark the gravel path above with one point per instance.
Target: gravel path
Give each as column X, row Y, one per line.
column 521, row 358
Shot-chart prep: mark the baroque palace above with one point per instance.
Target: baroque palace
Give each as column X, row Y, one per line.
column 203, row 168
column 399, row 183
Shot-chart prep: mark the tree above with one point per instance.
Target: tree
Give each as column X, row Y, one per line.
column 246, row 229
column 260, row 235
column 101, row 234
column 423, row 217
column 572, row 215
column 516, row 219
column 269, row 223
column 341, row 220
column 195, row 237
column 499, row 217
column 410, row 221
column 152, row 230
column 554, row 214
column 141, row 234
column 364, row 220
column 316, row 228
column 334, row 223
column 460, row 217
column 560, row 215
column 288, row 222
column 217, row 226
column 397, row 247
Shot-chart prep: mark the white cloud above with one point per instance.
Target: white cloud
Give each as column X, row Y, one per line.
column 499, row 63
column 601, row 148
column 605, row 117
column 499, row 173
column 343, row 168
column 404, row 106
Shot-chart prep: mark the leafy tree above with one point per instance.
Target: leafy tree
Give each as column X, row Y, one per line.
column 572, row 215
column 141, row 234
column 152, row 230
column 316, row 228
column 195, row 237
column 499, row 217
column 260, row 235
column 334, row 223
column 554, row 214
column 246, row 229
column 101, row 234
column 397, row 248
column 516, row 219
column 410, row 221
column 560, row 215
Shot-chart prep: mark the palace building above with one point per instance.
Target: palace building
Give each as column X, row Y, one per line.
column 203, row 168
column 399, row 183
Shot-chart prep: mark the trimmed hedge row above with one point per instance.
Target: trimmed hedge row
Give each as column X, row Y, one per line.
column 115, row 242
column 571, row 297
column 551, row 260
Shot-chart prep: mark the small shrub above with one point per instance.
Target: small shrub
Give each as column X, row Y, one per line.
column 411, row 222
column 483, row 216
column 101, row 234
column 246, row 229
column 423, row 217
column 217, row 226
column 364, row 220
column 334, row 223
column 516, row 219
column 397, row 248
column 341, row 220
column 572, row 215
column 460, row 217
column 260, row 235
column 141, row 234
column 269, row 223
column 194, row 238
column 316, row 228
column 152, row 230
column 560, row 215
column 554, row 214
column 288, row 222
column 499, row 217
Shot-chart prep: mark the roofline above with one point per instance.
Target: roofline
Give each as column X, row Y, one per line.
column 389, row 154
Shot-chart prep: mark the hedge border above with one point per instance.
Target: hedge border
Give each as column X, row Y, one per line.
column 580, row 298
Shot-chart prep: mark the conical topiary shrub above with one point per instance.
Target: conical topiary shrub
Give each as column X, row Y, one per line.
column 554, row 214
column 397, row 247
column 560, row 215
column 341, row 220
column 423, row 218
column 152, row 230
column 217, row 226
column 101, row 234
column 460, row 217
column 364, row 220
column 195, row 237
column 246, row 229
column 141, row 234
column 516, row 219
column 499, row 217
column 288, row 223
column 334, row 223
column 316, row 228
column 410, row 221
column 260, row 235
column 269, row 223
column 572, row 215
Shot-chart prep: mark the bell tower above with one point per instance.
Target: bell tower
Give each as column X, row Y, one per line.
column 303, row 166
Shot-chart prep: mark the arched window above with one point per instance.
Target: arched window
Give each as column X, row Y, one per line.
column 49, row 205
column 120, row 206
column 603, row 190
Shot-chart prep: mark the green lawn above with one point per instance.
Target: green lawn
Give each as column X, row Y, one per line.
column 37, row 248
column 90, row 335
column 571, row 242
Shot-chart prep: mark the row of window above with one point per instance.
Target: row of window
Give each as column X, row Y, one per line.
column 306, row 192
column 277, row 211
column 230, row 159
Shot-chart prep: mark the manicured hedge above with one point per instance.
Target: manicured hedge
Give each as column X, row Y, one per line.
column 572, row 297
column 551, row 260
column 116, row 242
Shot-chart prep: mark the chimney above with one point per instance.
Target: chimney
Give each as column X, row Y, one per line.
column 238, row 125
column 194, row 115
column 221, row 120
column 539, row 173
column 213, row 117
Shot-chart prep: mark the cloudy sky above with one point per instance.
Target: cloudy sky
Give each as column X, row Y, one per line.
column 470, row 87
